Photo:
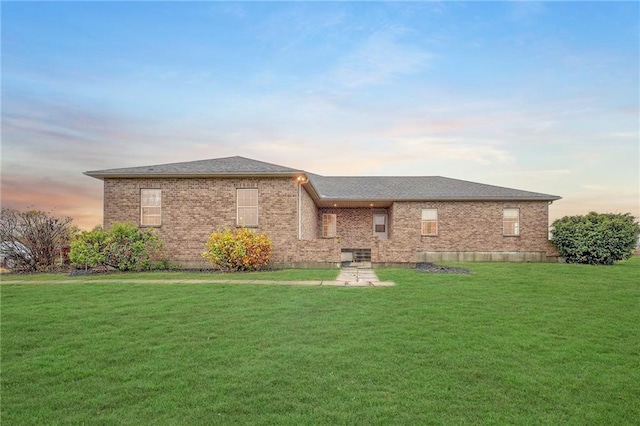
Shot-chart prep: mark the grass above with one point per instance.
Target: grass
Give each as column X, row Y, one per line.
column 508, row 344
column 276, row 275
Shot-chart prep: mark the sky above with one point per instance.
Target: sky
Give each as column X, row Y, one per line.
column 539, row 96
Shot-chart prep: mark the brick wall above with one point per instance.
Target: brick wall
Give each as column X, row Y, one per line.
column 463, row 226
column 193, row 208
column 353, row 226
column 473, row 226
column 309, row 217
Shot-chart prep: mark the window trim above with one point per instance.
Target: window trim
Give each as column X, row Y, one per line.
column 424, row 222
column 383, row 224
column 144, row 215
column 328, row 226
column 240, row 223
column 506, row 220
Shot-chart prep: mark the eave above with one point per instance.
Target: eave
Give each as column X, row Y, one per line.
column 103, row 176
column 328, row 202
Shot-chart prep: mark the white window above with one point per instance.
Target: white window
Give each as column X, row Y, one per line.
column 511, row 222
column 429, row 221
column 247, row 202
column 379, row 223
column 328, row 225
column 150, row 207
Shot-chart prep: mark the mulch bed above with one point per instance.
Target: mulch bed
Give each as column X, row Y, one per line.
column 438, row 269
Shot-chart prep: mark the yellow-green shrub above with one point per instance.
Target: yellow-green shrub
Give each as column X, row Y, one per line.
column 239, row 250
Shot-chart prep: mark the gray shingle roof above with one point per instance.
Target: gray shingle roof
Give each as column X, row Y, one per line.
column 375, row 188
column 356, row 189
column 232, row 166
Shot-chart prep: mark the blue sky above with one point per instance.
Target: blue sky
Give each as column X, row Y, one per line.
column 541, row 96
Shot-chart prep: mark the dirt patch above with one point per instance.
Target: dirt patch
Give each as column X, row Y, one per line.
column 439, row 269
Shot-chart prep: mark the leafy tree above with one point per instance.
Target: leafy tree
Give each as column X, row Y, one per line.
column 240, row 250
column 596, row 238
column 32, row 240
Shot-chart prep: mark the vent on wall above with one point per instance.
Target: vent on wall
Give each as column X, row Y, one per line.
column 358, row 255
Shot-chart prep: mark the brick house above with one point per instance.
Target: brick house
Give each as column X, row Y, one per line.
column 318, row 220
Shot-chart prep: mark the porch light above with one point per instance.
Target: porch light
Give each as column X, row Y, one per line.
column 301, row 179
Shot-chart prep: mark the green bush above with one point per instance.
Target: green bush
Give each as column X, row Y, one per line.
column 88, row 248
column 239, row 250
column 130, row 248
column 596, row 238
column 124, row 247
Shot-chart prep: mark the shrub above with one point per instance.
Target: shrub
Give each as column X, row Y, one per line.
column 124, row 247
column 596, row 238
column 88, row 248
column 240, row 250
column 130, row 248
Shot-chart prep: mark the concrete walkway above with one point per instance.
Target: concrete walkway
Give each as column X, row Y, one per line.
column 360, row 275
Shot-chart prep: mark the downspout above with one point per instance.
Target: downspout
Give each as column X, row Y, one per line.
column 299, row 209
column 300, row 180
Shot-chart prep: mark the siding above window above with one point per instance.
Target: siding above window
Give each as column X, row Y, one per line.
column 511, row 222
column 329, row 223
column 150, row 207
column 247, row 202
column 429, row 221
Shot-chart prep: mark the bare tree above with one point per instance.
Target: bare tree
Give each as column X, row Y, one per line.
column 32, row 240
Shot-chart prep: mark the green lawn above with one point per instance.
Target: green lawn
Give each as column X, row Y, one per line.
column 277, row 275
column 508, row 344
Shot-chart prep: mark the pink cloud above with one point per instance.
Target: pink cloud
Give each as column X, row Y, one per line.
column 81, row 199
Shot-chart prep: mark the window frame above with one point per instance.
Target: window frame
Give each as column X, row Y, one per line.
column 509, row 221
column 244, row 205
column 428, row 221
column 145, row 207
column 383, row 224
column 329, row 228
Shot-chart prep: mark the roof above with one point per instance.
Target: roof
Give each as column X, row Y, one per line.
column 229, row 166
column 382, row 190
column 345, row 191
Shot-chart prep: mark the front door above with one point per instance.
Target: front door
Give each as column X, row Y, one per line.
column 380, row 225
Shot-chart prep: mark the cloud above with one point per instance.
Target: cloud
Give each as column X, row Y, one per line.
column 623, row 135
column 380, row 59
column 79, row 198
column 520, row 11
column 613, row 201
column 60, row 131
column 478, row 151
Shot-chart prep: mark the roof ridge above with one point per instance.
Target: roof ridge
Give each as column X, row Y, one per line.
column 264, row 162
column 237, row 165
